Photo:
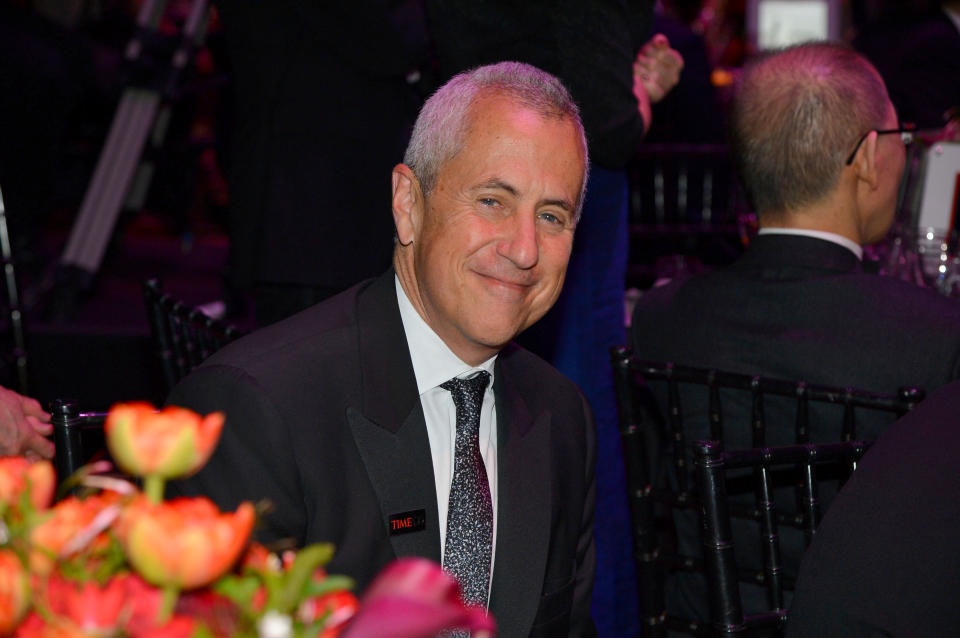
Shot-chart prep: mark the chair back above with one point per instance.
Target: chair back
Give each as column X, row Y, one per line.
column 77, row 436
column 684, row 200
column 662, row 486
column 713, row 463
column 182, row 336
column 11, row 311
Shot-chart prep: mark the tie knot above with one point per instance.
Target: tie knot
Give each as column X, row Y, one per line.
column 468, row 392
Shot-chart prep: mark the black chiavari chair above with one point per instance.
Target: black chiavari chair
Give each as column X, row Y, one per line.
column 720, row 548
column 662, row 486
column 182, row 336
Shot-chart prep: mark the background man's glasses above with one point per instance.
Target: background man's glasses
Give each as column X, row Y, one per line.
column 906, row 135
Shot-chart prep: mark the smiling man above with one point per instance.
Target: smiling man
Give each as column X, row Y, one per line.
column 398, row 418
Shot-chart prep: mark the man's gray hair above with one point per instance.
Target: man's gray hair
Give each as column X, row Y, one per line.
column 445, row 118
column 796, row 117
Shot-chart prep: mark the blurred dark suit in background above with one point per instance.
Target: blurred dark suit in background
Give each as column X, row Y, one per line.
column 325, row 101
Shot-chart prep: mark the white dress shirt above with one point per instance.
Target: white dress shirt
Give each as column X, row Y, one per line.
column 846, row 242
column 434, row 363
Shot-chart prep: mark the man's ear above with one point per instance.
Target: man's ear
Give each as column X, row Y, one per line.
column 408, row 204
column 865, row 161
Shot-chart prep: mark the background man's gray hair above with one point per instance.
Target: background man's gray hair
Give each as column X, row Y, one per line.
column 444, row 120
column 796, row 116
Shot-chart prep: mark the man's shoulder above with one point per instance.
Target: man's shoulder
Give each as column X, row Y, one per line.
column 536, row 380
column 697, row 293
column 904, row 298
column 326, row 329
column 689, row 295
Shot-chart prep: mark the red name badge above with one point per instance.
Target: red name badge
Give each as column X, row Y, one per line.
column 406, row 522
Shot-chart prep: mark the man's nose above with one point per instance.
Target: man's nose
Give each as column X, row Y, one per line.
column 519, row 243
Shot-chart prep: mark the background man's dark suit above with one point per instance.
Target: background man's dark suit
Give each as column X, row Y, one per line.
column 323, row 110
column 885, row 561
column 802, row 308
column 324, row 419
column 799, row 308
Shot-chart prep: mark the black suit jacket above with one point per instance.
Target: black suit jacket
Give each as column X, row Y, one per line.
column 795, row 308
column 885, row 561
column 324, row 420
column 802, row 308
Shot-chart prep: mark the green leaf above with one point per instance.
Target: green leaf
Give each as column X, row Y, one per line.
column 307, row 561
column 239, row 589
column 201, row 631
column 328, row 585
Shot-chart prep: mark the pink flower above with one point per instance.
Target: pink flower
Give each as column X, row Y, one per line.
column 414, row 598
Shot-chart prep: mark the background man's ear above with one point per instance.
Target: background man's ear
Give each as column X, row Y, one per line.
column 407, row 204
column 865, row 161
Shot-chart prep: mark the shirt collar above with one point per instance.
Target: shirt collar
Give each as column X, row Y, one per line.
column 846, row 242
column 433, row 361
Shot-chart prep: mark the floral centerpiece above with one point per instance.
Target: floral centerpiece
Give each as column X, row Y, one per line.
column 115, row 560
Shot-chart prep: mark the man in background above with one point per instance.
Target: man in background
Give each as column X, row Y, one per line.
column 820, row 152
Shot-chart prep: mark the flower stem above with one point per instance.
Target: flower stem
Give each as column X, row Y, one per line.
column 307, row 560
column 153, row 485
column 169, row 601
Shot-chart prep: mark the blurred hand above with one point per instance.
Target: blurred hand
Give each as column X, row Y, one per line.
column 414, row 598
column 657, row 68
column 23, row 426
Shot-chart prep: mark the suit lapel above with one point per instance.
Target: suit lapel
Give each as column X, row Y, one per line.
column 523, row 508
column 391, row 435
column 388, row 426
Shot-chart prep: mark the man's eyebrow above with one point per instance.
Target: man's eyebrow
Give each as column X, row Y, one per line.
column 560, row 203
column 502, row 185
column 499, row 184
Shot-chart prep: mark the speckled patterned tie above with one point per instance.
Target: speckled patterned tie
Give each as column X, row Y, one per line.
column 469, row 539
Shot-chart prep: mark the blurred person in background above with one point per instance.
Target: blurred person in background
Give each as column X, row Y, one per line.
column 916, row 49
column 325, row 97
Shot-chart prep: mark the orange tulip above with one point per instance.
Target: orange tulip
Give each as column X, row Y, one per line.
column 18, row 474
column 124, row 603
column 171, row 443
column 69, row 521
column 14, row 591
column 183, row 543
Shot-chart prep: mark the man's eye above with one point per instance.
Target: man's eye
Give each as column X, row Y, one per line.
column 551, row 218
column 488, row 201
